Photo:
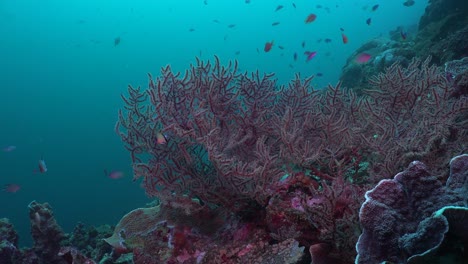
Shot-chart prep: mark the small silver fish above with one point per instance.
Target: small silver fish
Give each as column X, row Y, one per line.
column 42, row 166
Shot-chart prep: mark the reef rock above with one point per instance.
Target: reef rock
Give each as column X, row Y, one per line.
column 9, row 251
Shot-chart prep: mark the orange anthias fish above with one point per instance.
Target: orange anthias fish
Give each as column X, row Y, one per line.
column 160, row 138
column 268, row 46
column 344, row 37
column 311, row 18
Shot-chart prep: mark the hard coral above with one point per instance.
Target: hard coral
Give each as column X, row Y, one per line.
column 457, row 73
column 152, row 239
column 51, row 245
column 9, row 251
column 132, row 229
column 7, row 232
column 400, row 217
column 89, row 240
column 48, row 236
column 73, row 256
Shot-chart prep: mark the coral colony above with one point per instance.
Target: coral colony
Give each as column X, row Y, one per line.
column 249, row 172
column 250, row 169
column 245, row 171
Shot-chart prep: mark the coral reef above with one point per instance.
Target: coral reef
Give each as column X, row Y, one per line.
column 51, row 244
column 46, row 233
column 384, row 53
column 457, row 73
column 73, row 256
column 161, row 235
column 442, row 34
column 241, row 165
column 407, row 218
column 246, row 171
column 89, row 240
column 323, row 135
column 439, row 9
column 263, row 165
column 237, row 179
column 319, row 218
column 9, row 251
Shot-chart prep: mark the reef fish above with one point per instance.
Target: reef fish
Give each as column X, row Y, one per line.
column 268, row 46
column 344, row 38
column 116, row 41
column 363, row 58
column 11, row 188
column 310, row 55
column 114, row 174
column 9, row 148
column 311, row 18
column 408, row 3
column 161, row 139
column 42, row 166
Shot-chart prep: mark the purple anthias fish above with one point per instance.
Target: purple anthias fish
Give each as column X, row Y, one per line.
column 310, row 55
column 363, row 58
column 11, row 188
column 114, row 174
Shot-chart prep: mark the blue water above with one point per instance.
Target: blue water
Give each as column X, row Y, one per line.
column 61, row 77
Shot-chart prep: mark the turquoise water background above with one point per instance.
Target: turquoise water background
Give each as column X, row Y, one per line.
column 61, row 77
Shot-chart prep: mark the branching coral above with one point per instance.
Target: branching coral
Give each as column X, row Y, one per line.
column 291, row 159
